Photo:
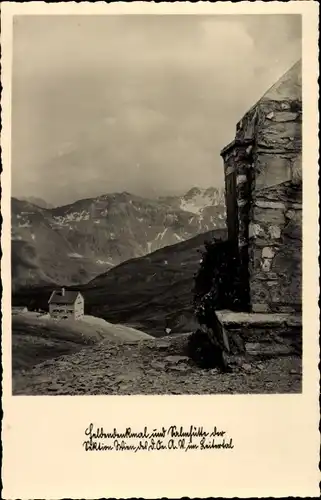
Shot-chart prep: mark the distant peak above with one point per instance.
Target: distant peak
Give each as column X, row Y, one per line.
column 194, row 191
column 197, row 191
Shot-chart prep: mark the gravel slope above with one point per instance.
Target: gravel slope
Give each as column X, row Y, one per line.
column 155, row 366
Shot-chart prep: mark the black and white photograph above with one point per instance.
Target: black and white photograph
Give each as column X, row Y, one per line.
column 156, row 204
column 159, row 250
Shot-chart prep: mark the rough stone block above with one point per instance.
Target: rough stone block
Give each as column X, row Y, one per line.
column 286, row 309
column 265, row 212
column 284, row 116
column 271, row 283
column 293, row 231
column 287, row 193
column 280, row 131
column 260, row 308
column 266, row 265
column 268, row 253
column 255, row 229
column 270, row 276
column 296, row 169
column 260, row 293
column 275, row 232
column 241, row 179
column 272, row 169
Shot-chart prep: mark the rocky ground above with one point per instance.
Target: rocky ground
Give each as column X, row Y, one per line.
column 154, row 366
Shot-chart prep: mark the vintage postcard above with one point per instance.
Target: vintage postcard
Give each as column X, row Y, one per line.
column 160, row 249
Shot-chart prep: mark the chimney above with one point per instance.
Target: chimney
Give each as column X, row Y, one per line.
column 63, row 292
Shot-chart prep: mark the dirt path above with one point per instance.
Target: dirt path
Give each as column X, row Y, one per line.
column 156, row 366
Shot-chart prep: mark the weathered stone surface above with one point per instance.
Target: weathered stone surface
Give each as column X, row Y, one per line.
column 157, row 365
column 246, row 127
column 287, row 135
column 179, row 368
column 252, row 346
column 260, row 307
column 242, row 241
column 286, row 192
column 260, row 293
column 273, row 349
column 163, row 345
column 287, row 91
column 266, row 264
column 271, row 283
column 288, row 262
column 243, row 319
column 176, row 359
column 269, row 193
column 242, row 202
column 268, row 253
column 285, row 116
column 271, row 276
column 271, row 169
column 229, row 170
column 293, row 230
column 295, row 213
column 274, row 232
column 296, row 169
column 241, row 179
column 265, row 333
column 255, row 230
column 274, row 206
column 270, row 115
column 286, row 309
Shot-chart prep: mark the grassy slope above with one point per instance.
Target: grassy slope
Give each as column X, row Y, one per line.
column 35, row 340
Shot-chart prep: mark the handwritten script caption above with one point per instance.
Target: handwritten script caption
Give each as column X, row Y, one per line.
column 171, row 438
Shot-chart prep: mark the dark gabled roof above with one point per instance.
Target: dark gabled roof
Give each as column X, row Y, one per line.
column 69, row 297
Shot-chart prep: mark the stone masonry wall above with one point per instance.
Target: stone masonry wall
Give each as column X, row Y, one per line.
column 275, row 232
column 266, row 156
column 275, row 249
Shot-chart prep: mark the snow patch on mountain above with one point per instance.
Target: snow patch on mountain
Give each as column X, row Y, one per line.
column 197, row 199
column 70, row 217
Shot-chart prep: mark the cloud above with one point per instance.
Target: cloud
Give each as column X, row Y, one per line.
column 93, row 97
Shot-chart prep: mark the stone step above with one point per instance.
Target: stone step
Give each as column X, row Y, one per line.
column 258, row 333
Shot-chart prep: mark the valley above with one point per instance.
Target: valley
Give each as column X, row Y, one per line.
column 152, row 292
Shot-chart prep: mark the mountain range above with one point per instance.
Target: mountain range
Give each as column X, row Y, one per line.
column 73, row 244
column 40, row 202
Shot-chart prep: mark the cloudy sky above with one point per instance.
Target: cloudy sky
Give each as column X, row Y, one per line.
column 136, row 103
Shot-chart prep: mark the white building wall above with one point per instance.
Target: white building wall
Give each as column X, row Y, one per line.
column 60, row 311
column 79, row 307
